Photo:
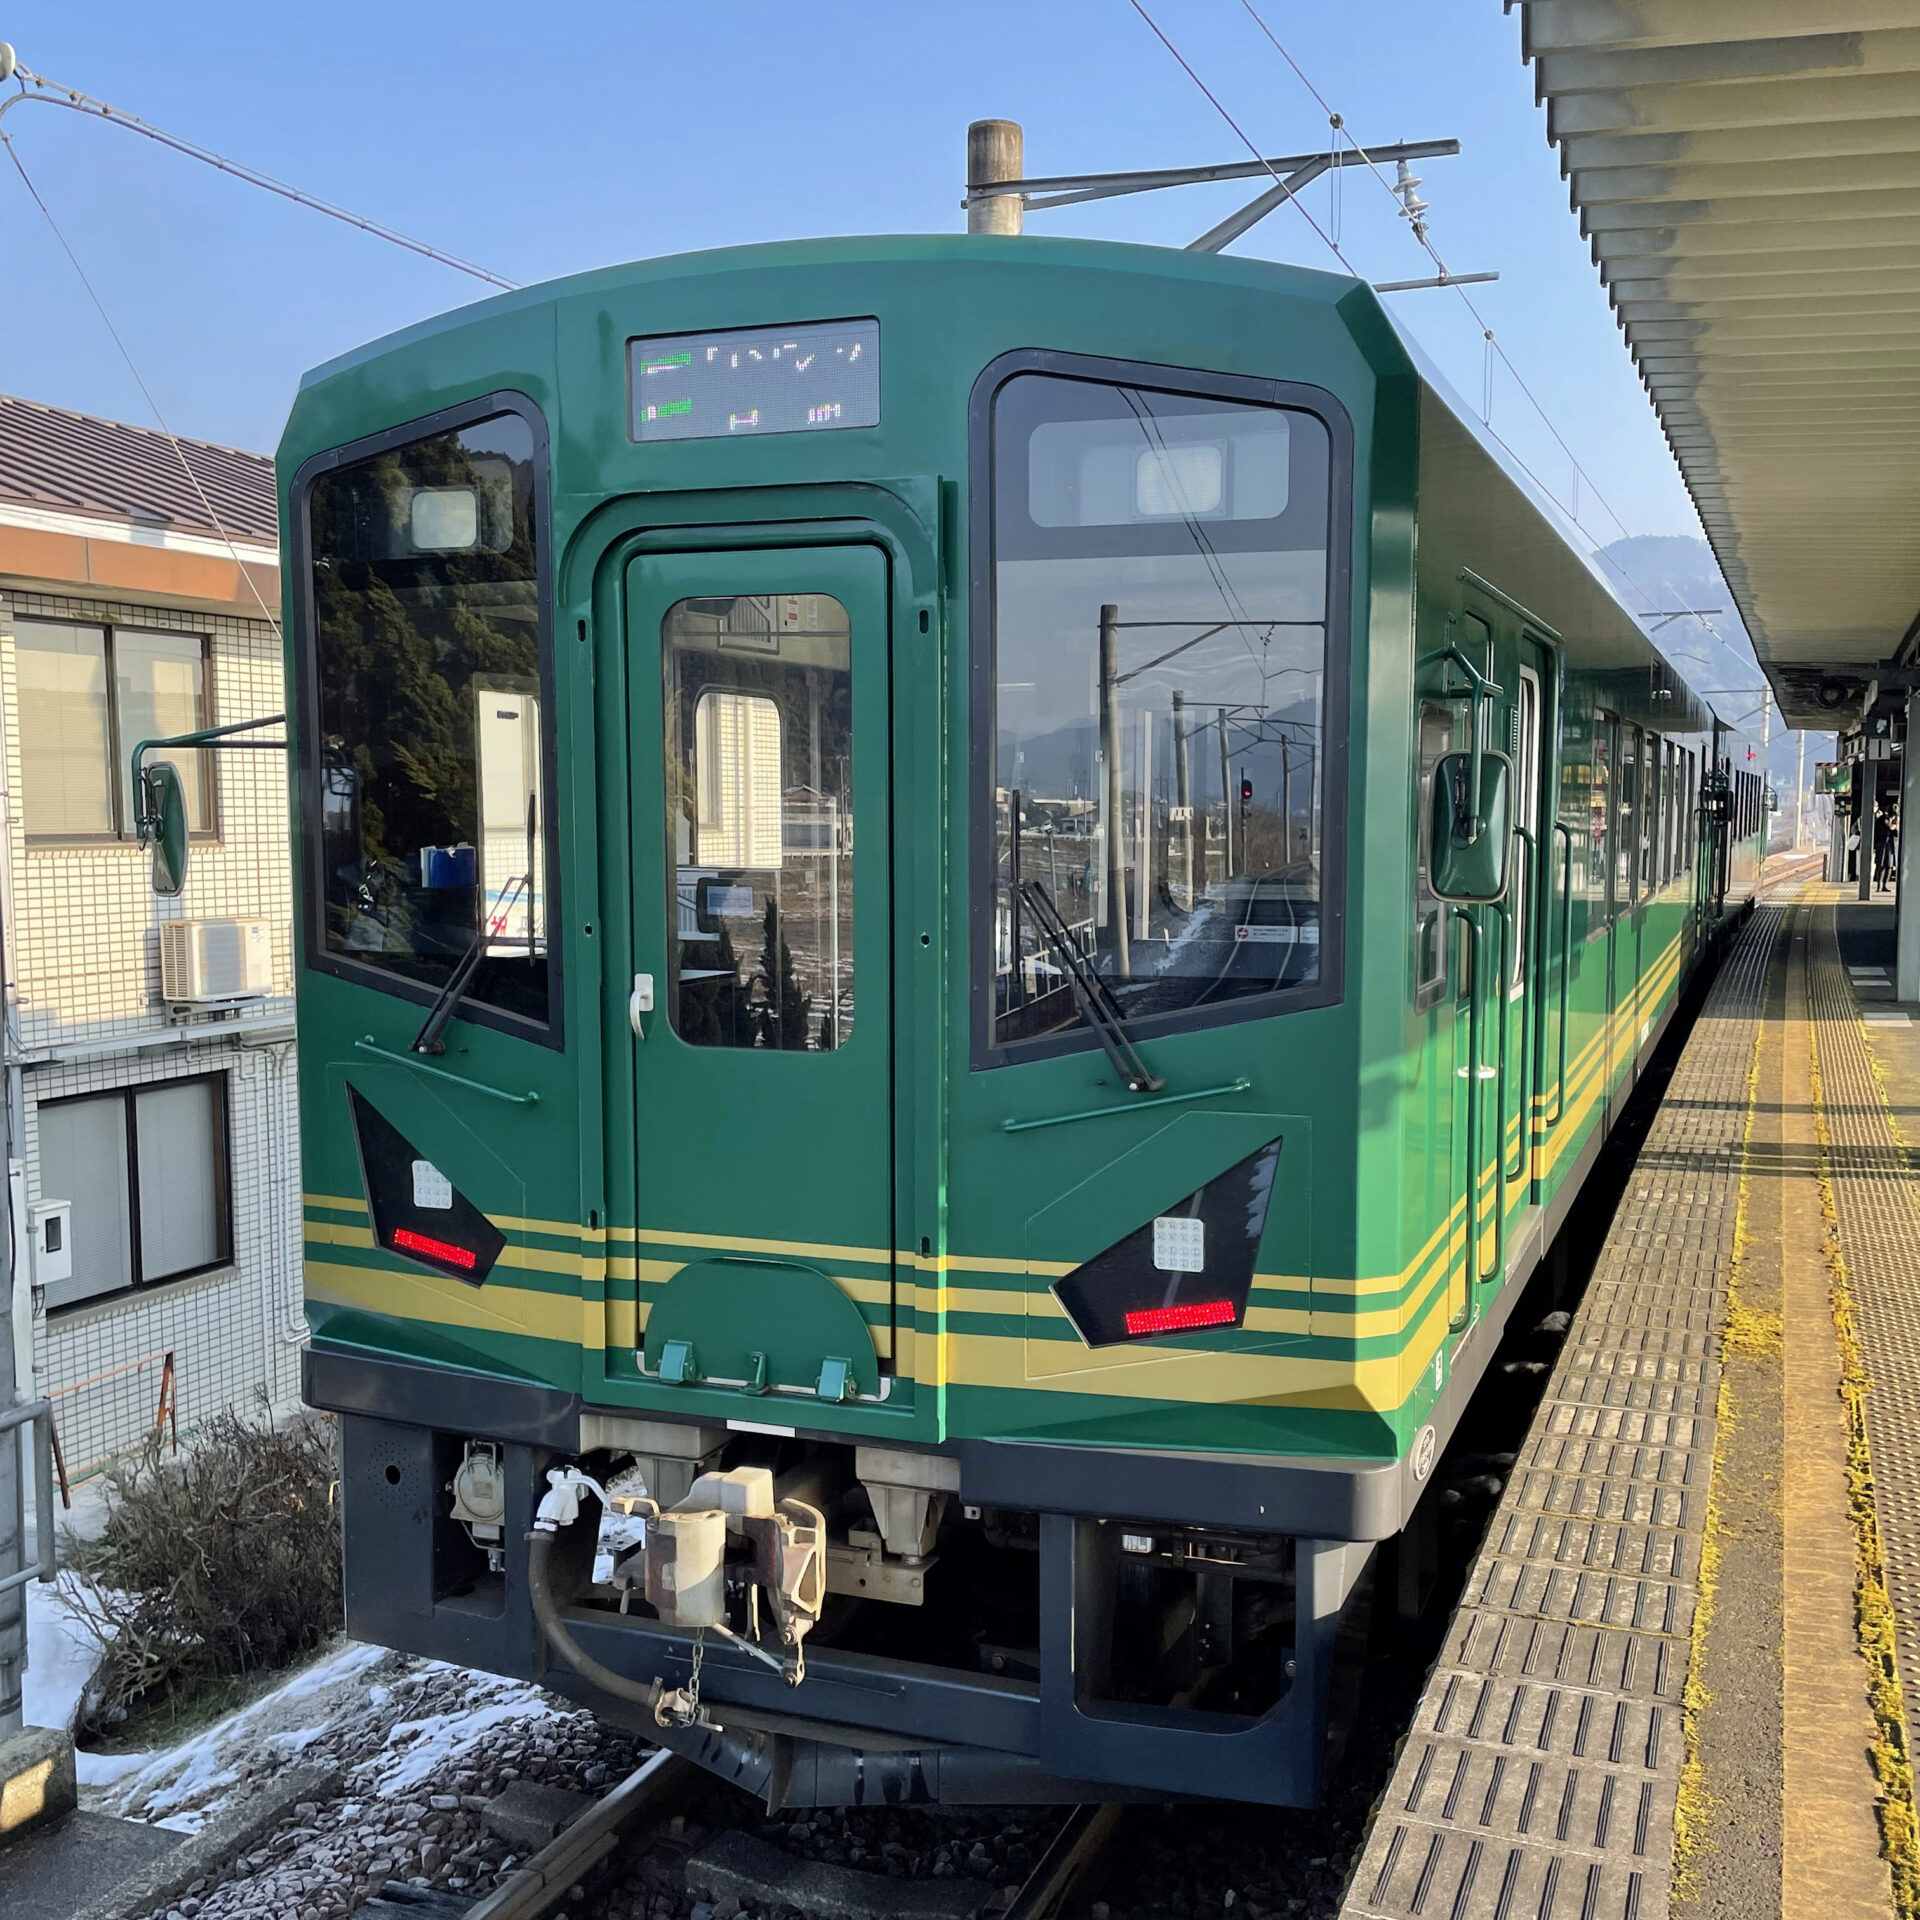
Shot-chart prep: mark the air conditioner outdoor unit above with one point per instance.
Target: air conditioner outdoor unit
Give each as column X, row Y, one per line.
column 210, row 960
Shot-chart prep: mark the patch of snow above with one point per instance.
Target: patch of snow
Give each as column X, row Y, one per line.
column 107, row 1769
column 195, row 1772
column 426, row 1746
column 61, row 1658
column 352, row 1658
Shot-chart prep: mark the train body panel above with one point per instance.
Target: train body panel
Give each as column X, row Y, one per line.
column 868, row 884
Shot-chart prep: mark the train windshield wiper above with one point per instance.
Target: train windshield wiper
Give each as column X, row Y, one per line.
column 1090, row 992
column 428, row 1039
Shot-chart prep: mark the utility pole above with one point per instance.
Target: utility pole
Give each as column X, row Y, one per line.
column 1766, row 770
column 1800, row 789
column 996, row 152
column 1114, row 788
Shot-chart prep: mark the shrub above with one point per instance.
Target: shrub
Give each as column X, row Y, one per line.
column 213, row 1564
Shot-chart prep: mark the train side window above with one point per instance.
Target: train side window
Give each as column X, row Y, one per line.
column 1652, row 796
column 1157, row 790
column 760, row 829
column 426, row 662
column 1670, row 813
column 1600, row 836
column 1689, row 802
column 1626, row 845
column 1429, row 913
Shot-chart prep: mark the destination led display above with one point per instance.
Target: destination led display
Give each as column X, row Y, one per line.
column 722, row 386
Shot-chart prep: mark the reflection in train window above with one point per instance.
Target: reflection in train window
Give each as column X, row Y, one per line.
column 760, row 843
column 1159, row 780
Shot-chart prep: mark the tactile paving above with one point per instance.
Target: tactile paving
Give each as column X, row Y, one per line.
column 1877, row 1216
column 1539, row 1776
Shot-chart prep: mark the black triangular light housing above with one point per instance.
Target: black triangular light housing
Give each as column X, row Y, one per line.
column 415, row 1210
column 1188, row 1271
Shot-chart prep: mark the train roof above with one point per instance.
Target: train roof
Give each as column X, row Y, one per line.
column 1169, row 262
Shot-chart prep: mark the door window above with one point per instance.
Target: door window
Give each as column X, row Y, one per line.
column 1526, row 813
column 1429, row 914
column 1626, row 834
column 760, row 829
column 1606, row 731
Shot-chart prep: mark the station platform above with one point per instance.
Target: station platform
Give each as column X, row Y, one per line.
column 1681, row 1674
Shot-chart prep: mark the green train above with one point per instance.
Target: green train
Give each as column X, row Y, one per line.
column 968, row 909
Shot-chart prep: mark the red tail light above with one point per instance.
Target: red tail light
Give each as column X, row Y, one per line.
column 1192, row 1313
column 405, row 1240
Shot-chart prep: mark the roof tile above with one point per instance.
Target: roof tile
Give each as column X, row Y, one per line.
column 75, row 463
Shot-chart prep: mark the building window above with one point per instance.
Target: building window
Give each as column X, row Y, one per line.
column 88, row 695
column 146, row 1171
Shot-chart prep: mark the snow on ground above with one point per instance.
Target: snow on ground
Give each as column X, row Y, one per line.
column 61, row 1657
column 182, row 1787
column 416, row 1746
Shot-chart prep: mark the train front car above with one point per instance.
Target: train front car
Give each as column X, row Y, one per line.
column 940, row 1005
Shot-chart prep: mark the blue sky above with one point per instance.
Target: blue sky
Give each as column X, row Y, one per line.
column 541, row 141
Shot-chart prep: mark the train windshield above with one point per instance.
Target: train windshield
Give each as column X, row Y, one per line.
column 433, row 811
column 1160, row 591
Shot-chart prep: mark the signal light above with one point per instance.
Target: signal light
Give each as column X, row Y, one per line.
column 405, row 1240
column 1246, row 788
column 1176, row 1319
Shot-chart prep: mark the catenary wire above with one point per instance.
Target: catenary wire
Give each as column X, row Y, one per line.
column 1422, row 238
column 1432, row 252
column 55, row 95
column 179, row 452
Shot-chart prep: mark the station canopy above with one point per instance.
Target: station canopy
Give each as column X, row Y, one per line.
column 1748, row 174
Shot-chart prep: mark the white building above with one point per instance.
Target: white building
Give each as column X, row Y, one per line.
column 139, row 595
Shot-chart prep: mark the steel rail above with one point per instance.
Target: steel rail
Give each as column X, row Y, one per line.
column 664, row 1784
column 656, row 1789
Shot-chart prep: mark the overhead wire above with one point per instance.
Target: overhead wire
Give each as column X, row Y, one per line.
column 1495, row 348
column 179, row 452
column 1424, row 241
column 53, row 94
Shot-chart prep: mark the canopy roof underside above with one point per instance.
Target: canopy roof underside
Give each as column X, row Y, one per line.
column 1746, row 172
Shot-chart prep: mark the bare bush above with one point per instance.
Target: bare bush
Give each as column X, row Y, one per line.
column 212, row 1565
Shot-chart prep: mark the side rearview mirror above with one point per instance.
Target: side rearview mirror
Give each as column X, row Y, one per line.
column 1467, row 859
column 164, row 806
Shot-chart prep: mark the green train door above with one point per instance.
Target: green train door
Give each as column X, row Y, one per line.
column 1439, row 972
column 1527, row 916
column 760, row 1023
column 1607, row 729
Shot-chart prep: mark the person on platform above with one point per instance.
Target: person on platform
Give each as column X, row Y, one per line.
column 1886, row 847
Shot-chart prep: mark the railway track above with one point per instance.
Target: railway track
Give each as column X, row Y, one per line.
column 1060, row 1884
